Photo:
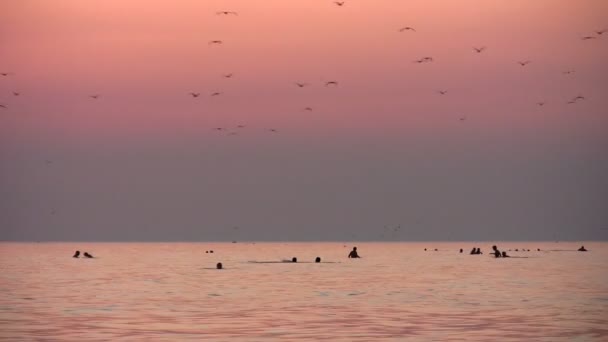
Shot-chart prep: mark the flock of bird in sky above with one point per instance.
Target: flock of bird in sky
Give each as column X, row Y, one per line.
column 426, row 59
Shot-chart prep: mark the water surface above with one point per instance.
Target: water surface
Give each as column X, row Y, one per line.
column 395, row 292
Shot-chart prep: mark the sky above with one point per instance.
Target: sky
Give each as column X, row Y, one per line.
column 382, row 155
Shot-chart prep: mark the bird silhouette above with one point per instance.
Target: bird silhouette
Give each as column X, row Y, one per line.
column 464, row 118
column 16, row 93
column 407, row 28
column 601, row 32
column 3, row 106
column 339, row 3
column 217, row 93
column 216, row 42
column 424, row 60
column 301, row 85
column 94, row 97
column 588, row 37
column 6, row 73
column 334, row 83
column 479, row 50
column 308, row 109
column 226, row 13
column 442, row 92
column 524, row 63
column 540, row 104
column 228, row 75
column 195, row 94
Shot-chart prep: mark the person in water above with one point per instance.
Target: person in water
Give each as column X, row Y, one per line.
column 473, row 251
column 318, row 259
column 219, row 266
column 76, row 255
column 496, row 253
column 87, row 255
column 478, row 251
column 461, row 250
column 353, row 253
column 582, row 249
column 504, row 254
column 294, row 259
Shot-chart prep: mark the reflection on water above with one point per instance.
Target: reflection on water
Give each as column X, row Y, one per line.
column 394, row 292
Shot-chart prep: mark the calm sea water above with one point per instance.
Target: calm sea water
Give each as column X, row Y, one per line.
column 396, row 292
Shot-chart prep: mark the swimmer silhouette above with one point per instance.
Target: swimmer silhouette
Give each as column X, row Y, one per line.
column 87, row 255
column 219, row 266
column 473, row 251
column 353, row 253
column 478, row 251
column 496, row 252
column 294, row 259
column 582, row 249
column 504, row 254
column 318, row 259
column 461, row 250
column 76, row 255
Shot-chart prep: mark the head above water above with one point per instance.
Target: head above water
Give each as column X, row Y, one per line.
column 294, row 259
column 219, row 266
column 318, row 259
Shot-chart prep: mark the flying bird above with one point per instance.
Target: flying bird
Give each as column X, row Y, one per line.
column 195, row 94
column 301, row 85
column 588, row 37
column 540, row 104
column 424, row 60
column 442, row 92
column 407, row 28
column 216, row 93
column 339, row 3
column 308, row 109
column 524, row 63
column 6, row 73
column 226, row 13
column 601, row 32
column 228, row 75
column 214, row 42
column 3, row 106
column 479, row 50
column 463, row 118
column 94, row 97
column 16, row 93
column 579, row 97
column 334, row 83
column 273, row 130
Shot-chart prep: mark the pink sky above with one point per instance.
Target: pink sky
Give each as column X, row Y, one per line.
column 145, row 56
column 381, row 148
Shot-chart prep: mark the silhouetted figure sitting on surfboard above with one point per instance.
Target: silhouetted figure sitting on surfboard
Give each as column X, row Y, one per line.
column 76, row 255
column 582, row 249
column 87, row 255
column 353, row 253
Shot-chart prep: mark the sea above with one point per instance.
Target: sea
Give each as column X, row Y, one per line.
column 394, row 292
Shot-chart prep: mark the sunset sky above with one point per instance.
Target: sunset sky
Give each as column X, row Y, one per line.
column 382, row 149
